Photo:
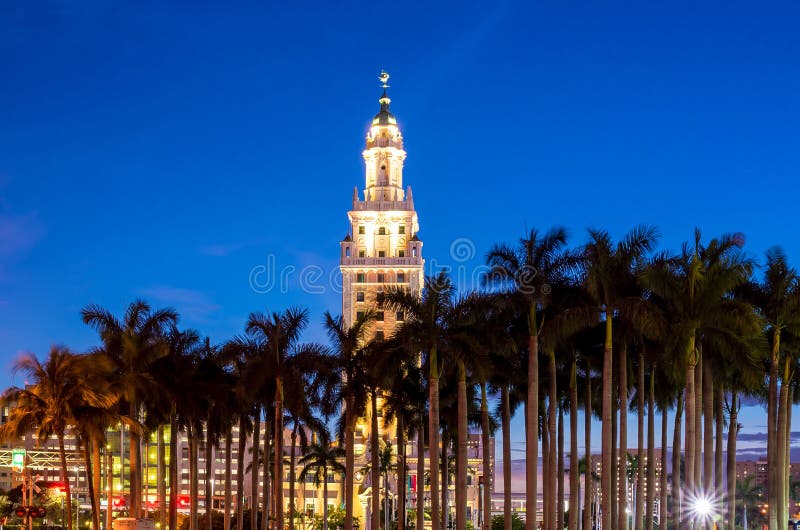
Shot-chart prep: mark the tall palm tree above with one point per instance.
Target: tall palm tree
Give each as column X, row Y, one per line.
column 527, row 270
column 47, row 404
column 696, row 285
column 280, row 336
column 346, row 367
column 425, row 321
column 321, row 459
column 777, row 299
column 133, row 344
column 610, row 282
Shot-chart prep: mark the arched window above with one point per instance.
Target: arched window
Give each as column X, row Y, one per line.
column 382, row 231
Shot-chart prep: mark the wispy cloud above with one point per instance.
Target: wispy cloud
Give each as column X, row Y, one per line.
column 193, row 305
column 18, row 233
column 221, row 250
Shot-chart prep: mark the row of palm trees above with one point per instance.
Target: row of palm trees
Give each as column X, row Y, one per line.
column 606, row 326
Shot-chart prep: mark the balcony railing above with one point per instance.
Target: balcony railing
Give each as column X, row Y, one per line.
column 387, row 262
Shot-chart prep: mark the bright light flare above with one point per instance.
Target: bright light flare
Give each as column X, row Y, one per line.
column 705, row 506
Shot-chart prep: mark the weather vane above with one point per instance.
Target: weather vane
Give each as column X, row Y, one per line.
column 384, row 78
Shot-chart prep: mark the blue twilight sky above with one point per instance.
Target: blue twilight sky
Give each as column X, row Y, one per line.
column 196, row 153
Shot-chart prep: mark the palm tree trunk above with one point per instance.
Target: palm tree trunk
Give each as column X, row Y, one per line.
column 133, row 473
column 226, row 518
column 109, row 485
column 787, row 444
column 662, row 501
column 209, row 479
column 400, row 434
column 677, row 486
column 772, row 415
column 574, row 477
column 560, row 467
column 781, row 464
column 65, row 479
column 505, row 420
column 719, row 418
column 375, row 465
column 97, row 463
column 613, row 492
column 651, row 452
column 486, row 508
column 698, row 424
column 733, row 427
column 588, row 486
column 708, row 427
column 161, row 477
column 433, row 437
column 174, row 459
column 532, row 423
column 622, row 509
column 241, row 448
column 461, row 449
column 254, row 470
column 546, row 471
column 277, row 475
column 349, row 463
column 445, row 489
column 690, row 424
column 607, row 456
column 644, row 464
column 552, row 417
column 88, row 470
column 292, row 454
column 266, row 490
column 193, row 478
column 420, row 477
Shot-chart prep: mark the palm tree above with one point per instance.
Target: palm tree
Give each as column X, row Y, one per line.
column 749, row 495
column 527, row 270
column 777, row 299
column 47, row 404
column 280, row 337
column 610, row 282
column 346, row 369
column 132, row 344
column 320, row 459
column 696, row 285
column 425, row 322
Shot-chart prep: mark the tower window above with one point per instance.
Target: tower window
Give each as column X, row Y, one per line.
column 401, row 229
column 401, row 277
column 401, row 253
column 347, row 252
column 381, row 253
column 361, row 277
column 379, row 316
column 362, row 253
column 381, row 277
column 382, row 231
column 361, row 229
column 414, row 252
column 359, row 296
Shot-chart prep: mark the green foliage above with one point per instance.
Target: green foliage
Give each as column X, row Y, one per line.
column 498, row 522
column 335, row 520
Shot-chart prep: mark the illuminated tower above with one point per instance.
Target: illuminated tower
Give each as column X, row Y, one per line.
column 381, row 248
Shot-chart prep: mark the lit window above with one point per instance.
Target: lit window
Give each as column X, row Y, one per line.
column 347, row 252
column 414, row 252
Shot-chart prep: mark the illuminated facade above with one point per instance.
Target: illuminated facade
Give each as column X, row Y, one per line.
column 381, row 247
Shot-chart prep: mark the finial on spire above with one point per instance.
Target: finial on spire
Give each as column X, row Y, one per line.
column 384, row 79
